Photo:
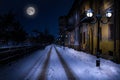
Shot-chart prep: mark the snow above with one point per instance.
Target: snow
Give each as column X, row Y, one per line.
column 55, row 69
column 81, row 64
column 35, row 71
column 10, row 45
column 20, row 69
column 84, row 66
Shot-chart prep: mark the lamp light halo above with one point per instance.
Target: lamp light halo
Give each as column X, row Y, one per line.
column 108, row 14
column 89, row 13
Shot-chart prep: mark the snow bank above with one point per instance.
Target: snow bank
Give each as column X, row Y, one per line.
column 84, row 67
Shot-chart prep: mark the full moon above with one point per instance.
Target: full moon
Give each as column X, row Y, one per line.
column 30, row 11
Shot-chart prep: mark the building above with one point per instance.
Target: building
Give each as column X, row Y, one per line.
column 62, row 27
column 72, row 30
column 83, row 35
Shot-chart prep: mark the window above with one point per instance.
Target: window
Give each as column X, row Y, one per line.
column 111, row 32
column 80, row 37
column 84, row 37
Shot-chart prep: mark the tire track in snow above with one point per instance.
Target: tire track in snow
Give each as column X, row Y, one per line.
column 68, row 71
column 44, row 68
column 33, row 69
column 29, row 71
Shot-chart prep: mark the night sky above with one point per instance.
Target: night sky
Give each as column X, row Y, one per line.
column 47, row 14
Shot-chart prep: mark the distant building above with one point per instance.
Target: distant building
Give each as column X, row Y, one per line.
column 62, row 27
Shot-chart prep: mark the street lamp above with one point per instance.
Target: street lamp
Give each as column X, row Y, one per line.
column 108, row 13
column 98, row 18
column 89, row 13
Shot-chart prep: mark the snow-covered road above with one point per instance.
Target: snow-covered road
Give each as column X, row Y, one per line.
column 57, row 63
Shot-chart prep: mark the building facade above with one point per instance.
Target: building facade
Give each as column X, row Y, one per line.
column 82, row 34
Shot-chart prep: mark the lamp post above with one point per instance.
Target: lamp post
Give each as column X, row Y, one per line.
column 98, row 18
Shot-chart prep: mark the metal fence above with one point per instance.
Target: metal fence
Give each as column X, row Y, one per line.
column 10, row 54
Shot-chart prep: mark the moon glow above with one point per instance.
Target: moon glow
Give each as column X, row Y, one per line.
column 30, row 11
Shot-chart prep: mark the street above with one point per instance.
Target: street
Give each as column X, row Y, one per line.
column 58, row 63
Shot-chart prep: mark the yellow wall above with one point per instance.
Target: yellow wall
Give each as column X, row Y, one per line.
column 106, row 46
column 95, row 45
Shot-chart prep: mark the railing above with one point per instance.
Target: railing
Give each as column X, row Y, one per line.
column 10, row 54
